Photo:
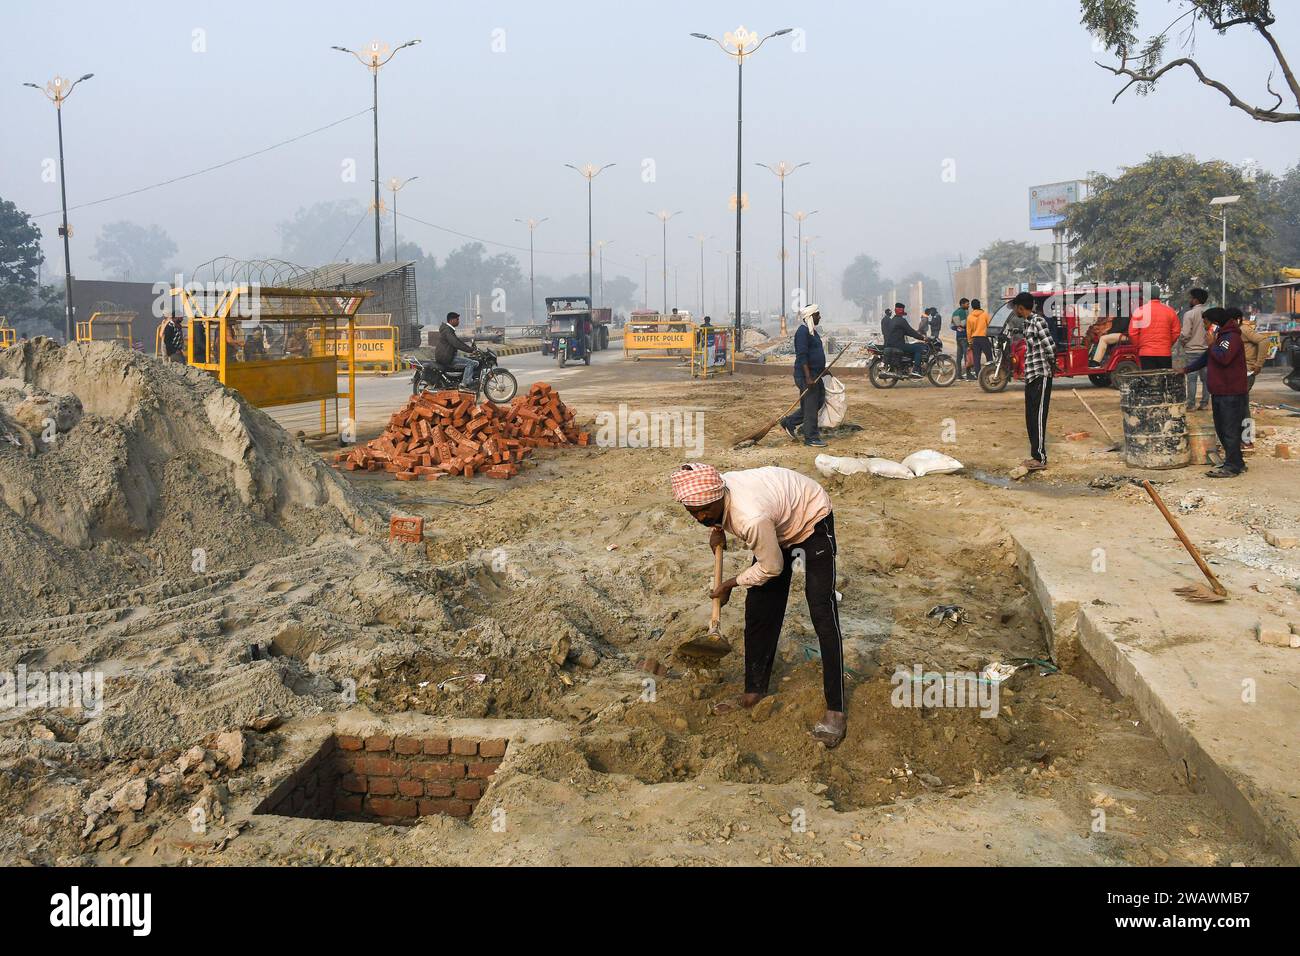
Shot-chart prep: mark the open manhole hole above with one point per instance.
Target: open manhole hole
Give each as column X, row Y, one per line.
column 382, row 779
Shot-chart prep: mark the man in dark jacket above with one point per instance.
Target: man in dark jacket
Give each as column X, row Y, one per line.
column 1225, row 361
column 449, row 344
column 809, row 362
column 897, row 330
column 174, row 340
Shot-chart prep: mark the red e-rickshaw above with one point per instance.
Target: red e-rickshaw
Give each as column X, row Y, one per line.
column 1071, row 314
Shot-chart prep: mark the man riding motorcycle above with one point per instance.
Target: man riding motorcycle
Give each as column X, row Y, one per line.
column 897, row 330
column 448, row 345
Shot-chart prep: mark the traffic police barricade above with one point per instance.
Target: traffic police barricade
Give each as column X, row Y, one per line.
column 673, row 337
column 107, row 327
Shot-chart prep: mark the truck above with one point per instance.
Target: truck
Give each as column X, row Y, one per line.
column 574, row 329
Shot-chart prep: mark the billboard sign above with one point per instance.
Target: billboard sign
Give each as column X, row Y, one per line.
column 1048, row 204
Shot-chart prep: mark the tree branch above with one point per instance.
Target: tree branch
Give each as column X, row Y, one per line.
column 1147, row 78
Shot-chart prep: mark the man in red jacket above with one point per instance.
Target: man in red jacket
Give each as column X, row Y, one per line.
column 1225, row 361
column 1154, row 329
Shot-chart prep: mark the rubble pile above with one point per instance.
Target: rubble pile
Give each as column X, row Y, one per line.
column 446, row 433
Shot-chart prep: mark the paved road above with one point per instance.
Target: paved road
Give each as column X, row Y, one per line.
column 378, row 396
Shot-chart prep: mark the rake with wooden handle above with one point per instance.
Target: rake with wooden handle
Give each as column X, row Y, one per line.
column 1195, row 592
column 744, row 441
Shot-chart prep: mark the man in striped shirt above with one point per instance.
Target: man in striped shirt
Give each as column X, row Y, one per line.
column 1040, row 363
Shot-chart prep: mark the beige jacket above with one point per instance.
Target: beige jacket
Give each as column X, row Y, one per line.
column 1255, row 347
column 770, row 509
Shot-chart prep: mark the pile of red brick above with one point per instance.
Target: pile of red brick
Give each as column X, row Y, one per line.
column 446, row 433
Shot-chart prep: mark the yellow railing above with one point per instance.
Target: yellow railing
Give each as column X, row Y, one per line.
column 713, row 353
column 107, row 327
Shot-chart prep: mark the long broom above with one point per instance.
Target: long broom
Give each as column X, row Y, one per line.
column 759, row 434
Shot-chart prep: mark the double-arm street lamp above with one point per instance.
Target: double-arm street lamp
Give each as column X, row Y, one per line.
column 532, row 289
column 645, row 258
column 702, row 239
column 373, row 57
column 782, row 170
column 663, row 216
column 738, row 45
column 56, row 91
column 590, row 172
column 396, row 185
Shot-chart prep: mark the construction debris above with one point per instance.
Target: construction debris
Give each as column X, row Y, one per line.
column 446, row 433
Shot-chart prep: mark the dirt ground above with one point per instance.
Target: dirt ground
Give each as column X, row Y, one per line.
column 557, row 587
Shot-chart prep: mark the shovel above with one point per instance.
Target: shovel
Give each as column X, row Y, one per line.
column 711, row 646
column 1194, row 592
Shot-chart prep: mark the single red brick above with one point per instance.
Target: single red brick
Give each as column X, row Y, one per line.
column 463, row 747
column 438, row 771
column 382, row 767
column 353, row 783
column 382, row 786
column 348, row 743
column 482, row 770
column 347, row 804
column 410, row 788
column 469, row 789
column 379, row 743
column 437, row 745
column 385, row 807
column 438, row 789
column 406, row 745
column 493, row 748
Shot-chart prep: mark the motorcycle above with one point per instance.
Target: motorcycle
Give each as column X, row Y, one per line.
column 888, row 366
column 495, row 384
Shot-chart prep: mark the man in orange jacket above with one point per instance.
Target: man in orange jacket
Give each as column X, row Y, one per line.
column 1153, row 329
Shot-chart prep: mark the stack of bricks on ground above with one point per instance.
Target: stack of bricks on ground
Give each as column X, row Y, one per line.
column 389, row 779
column 447, row 434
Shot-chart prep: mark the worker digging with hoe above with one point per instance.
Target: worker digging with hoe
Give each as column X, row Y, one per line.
column 780, row 515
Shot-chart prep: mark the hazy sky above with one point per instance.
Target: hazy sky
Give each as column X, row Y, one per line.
column 500, row 95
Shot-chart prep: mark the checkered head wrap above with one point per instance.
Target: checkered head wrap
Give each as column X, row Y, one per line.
column 696, row 485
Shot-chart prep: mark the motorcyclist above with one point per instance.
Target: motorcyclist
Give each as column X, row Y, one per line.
column 897, row 330
column 447, row 347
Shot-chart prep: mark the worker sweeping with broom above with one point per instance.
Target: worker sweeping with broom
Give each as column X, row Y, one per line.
column 779, row 514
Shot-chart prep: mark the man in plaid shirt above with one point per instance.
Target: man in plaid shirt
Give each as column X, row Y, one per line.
column 1040, row 363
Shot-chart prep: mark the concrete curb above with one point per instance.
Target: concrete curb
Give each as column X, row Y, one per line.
column 1184, row 700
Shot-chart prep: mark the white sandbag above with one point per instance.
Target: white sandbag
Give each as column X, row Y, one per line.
column 835, row 405
column 929, row 462
column 830, row 465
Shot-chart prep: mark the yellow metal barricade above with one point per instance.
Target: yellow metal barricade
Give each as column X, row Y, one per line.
column 270, row 344
column 376, row 344
column 712, row 354
column 672, row 336
column 8, row 336
column 108, row 327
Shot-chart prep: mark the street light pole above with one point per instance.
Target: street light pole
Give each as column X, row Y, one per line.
column 396, row 185
column 663, row 216
column 56, row 91
column 702, row 240
column 600, row 246
column 532, row 288
column 376, row 54
column 799, row 216
column 645, row 258
column 739, row 45
column 782, row 170
column 1224, row 202
column 590, row 172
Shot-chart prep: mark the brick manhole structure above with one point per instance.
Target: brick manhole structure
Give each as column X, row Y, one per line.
column 383, row 779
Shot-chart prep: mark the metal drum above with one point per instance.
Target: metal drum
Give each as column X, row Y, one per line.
column 1154, row 408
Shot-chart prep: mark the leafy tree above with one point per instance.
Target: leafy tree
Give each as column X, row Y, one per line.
column 327, row 232
column 497, row 281
column 1284, row 198
column 1004, row 257
column 932, row 292
column 20, row 255
column 1154, row 223
column 1114, row 23
column 862, row 282
column 129, row 251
